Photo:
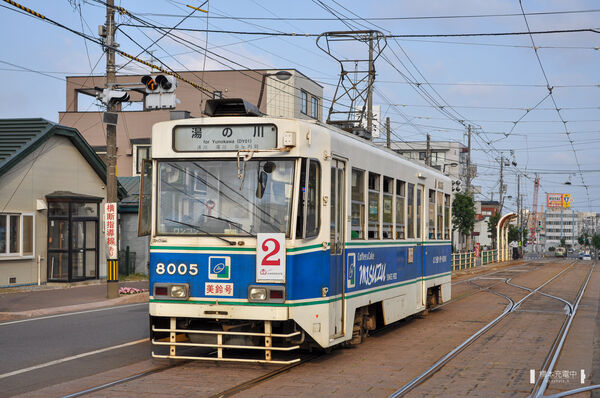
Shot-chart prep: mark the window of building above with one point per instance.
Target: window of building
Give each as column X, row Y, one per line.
column 400, row 198
column 421, row 155
column 374, row 191
column 303, row 102
column 309, row 203
column 16, row 235
column 314, row 106
column 141, row 153
column 388, row 208
column 358, row 204
column 410, row 198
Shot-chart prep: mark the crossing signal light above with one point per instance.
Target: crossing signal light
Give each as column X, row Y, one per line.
column 159, row 84
column 150, row 83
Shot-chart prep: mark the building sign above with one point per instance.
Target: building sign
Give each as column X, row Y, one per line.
column 224, row 138
column 557, row 200
column 110, row 230
column 270, row 258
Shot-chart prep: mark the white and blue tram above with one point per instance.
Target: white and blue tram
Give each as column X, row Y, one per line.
column 270, row 234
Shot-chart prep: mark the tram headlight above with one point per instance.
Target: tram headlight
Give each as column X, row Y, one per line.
column 178, row 291
column 257, row 294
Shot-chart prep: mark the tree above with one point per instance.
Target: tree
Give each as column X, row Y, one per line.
column 513, row 233
column 596, row 241
column 492, row 224
column 562, row 241
column 463, row 214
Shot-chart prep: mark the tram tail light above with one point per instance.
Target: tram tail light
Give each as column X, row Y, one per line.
column 161, row 291
column 276, row 294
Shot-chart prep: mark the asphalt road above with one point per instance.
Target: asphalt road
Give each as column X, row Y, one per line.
column 50, row 343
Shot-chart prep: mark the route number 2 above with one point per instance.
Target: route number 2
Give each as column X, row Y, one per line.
column 270, row 258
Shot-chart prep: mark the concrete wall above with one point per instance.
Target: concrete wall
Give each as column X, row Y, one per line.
column 56, row 166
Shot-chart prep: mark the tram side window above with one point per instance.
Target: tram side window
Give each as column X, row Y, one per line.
column 419, row 211
column 410, row 224
column 388, row 208
column 440, row 214
column 446, row 216
column 358, row 204
column 431, row 215
column 309, row 211
column 400, row 195
column 374, row 191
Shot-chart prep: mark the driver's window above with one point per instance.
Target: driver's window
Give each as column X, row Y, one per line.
column 309, row 209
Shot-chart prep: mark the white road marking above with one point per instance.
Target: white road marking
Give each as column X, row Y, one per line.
column 58, row 361
column 71, row 313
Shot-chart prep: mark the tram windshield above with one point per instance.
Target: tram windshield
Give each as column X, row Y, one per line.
column 224, row 197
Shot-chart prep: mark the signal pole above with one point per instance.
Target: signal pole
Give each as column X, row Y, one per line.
column 388, row 130
column 112, row 264
column 501, row 183
column 428, row 151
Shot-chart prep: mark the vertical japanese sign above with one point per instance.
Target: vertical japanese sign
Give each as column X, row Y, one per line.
column 110, row 230
column 270, row 258
column 477, row 249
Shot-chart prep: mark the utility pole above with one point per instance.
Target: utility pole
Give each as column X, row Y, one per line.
column 428, row 151
column 371, row 81
column 388, row 129
column 501, row 183
column 112, row 265
column 469, row 161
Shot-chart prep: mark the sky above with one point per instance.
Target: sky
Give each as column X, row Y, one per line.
column 531, row 99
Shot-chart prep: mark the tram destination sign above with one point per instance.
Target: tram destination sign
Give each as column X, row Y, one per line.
column 203, row 138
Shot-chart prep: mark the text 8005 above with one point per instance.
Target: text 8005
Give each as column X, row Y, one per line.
column 181, row 269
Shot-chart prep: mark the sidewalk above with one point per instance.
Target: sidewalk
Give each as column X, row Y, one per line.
column 34, row 301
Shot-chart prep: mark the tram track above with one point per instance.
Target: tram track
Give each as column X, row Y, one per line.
column 510, row 308
column 274, row 373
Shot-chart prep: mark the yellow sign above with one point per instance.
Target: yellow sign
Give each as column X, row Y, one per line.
column 566, row 200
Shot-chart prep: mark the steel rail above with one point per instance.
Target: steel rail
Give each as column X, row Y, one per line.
column 446, row 358
column 544, row 385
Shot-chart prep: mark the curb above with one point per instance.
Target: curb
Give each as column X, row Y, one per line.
column 125, row 299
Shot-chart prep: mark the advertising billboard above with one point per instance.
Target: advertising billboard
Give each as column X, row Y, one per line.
column 557, row 200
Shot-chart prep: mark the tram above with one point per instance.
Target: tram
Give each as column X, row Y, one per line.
column 274, row 234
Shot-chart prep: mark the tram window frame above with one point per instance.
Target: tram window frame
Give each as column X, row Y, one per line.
column 439, row 206
column 374, row 219
column 400, row 206
column 387, row 208
column 431, row 214
column 411, row 209
column 309, row 205
column 419, row 212
column 357, row 202
column 447, row 216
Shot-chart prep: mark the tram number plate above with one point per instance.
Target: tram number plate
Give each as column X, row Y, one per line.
column 270, row 258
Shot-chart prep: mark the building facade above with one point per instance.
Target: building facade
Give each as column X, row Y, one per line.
column 297, row 97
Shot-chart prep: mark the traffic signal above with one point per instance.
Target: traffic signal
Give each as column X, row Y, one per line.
column 109, row 96
column 159, row 83
column 160, row 91
column 456, row 186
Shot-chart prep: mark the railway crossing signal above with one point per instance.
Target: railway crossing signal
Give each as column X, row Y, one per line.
column 109, row 96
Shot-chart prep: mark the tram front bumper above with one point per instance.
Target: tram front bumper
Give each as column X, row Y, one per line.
column 244, row 310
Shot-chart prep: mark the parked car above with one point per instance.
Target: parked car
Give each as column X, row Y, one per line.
column 581, row 255
column 587, row 257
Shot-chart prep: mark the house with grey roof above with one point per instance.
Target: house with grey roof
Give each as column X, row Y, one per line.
column 52, row 190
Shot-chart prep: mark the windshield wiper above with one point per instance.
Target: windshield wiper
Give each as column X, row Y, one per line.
column 231, row 223
column 201, row 230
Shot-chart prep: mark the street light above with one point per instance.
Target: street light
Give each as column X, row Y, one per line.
column 281, row 75
column 453, row 164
